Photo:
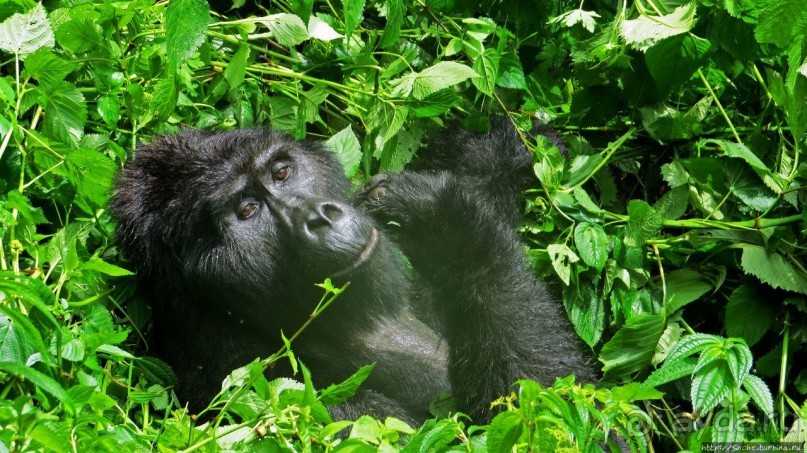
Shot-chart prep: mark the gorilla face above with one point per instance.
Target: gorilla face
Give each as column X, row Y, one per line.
column 239, row 211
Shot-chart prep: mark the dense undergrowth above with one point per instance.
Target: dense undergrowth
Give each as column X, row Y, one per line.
column 675, row 222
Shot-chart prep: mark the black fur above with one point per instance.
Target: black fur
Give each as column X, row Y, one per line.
column 471, row 318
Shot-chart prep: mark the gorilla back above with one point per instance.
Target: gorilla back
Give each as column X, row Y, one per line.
column 230, row 231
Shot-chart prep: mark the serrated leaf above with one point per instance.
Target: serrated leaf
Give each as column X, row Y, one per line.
column 434, row 104
column 155, row 370
column 14, row 346
column 353, row 13
column 586, row 310
column 673, row 204
column 747, row 316
column 671, row 371
column 22, row 34
column 347, row 149
column 739, row 359
column 396, row 9
column 773, row 269
column 319, row 29
column 643, row 223
column 562, row 257
column 432, row 79
column 288, row 29
column 643, row 32
column 760, row 394
column 710, row 386
column 185, row 26
column 592, row 244
column 632, row 347
column 672, row 61
column 504, row 431
column 108, row 108
column 780, row 21
column 487, row 66
column 165, row 97
column 48, row 69
column 92, row 173
column 588, row 19
column 65, row 113
column 729, row 429
column 692, row 344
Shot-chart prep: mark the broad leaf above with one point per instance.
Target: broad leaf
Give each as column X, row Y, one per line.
column 643, row 32
column 185, row 26
column 288, row 29
column 747, row 315
column 592, row 244
column 632, row 347
column 65, row 113
column 773, row 269
column 22, row 34
column 347, row 149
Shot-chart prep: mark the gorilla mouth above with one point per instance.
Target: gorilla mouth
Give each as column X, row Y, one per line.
column 363, row 257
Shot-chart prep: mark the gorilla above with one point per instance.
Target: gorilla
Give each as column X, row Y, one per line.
column 230, row 232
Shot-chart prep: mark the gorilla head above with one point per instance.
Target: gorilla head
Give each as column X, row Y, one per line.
column 230, row 231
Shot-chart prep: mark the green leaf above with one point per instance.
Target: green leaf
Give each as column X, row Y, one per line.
column 586, row 310
column 683, row 287
column 643, row 32
column 353, row 13
column 675, row 174
column 504, row 431
column 48, row 69
column 581, row 168
column 288, row 29
column 673, row 204
column 22, row 34
column 740, row 151
column 728, row 428
column 739, row 359
column 511, row 73
column 392, row 30
column 747, row 315
column 760, row 394
column 14, row 345
column 81, row 35
column 338, row 393
column 109, row 109
column 434, row 104
column 672, row 61
column 578, row 16
column 592, row 244
column 93, row 174
column 643, row 223
column 165, row 97
column 65, row 113
column 710, row 386
column 671, row 371
column 692, row 344
column 781, row 21
column 635, row 391
column 155, row 370
column 562, row 257
column 41, row 381
column 773, row 269
column 347, row 149
column 185, row 26
column 432, row 79
column 237, row 68
column 319, row 29
column 632, row 347
column 487, row 66
column 99, row 265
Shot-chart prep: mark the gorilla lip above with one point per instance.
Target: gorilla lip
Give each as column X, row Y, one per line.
column 364, row 256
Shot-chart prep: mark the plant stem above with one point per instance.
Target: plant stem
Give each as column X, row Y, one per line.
column 719, row 106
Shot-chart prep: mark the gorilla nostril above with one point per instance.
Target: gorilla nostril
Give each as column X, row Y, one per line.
column 332, row 212
column 317, row 224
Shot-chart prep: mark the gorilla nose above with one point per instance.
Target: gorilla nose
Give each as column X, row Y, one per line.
column 319, row 216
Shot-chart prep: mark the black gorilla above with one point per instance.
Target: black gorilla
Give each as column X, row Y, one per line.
column 231, row 230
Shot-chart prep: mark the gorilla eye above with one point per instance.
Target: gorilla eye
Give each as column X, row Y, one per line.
column 281, row 173
column 247, row 208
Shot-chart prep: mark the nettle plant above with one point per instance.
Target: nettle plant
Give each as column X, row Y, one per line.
column 674, row 220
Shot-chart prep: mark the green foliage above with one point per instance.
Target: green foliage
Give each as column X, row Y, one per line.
column 675, row 222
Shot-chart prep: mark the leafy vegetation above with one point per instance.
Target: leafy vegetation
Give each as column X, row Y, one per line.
column 675, row 222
